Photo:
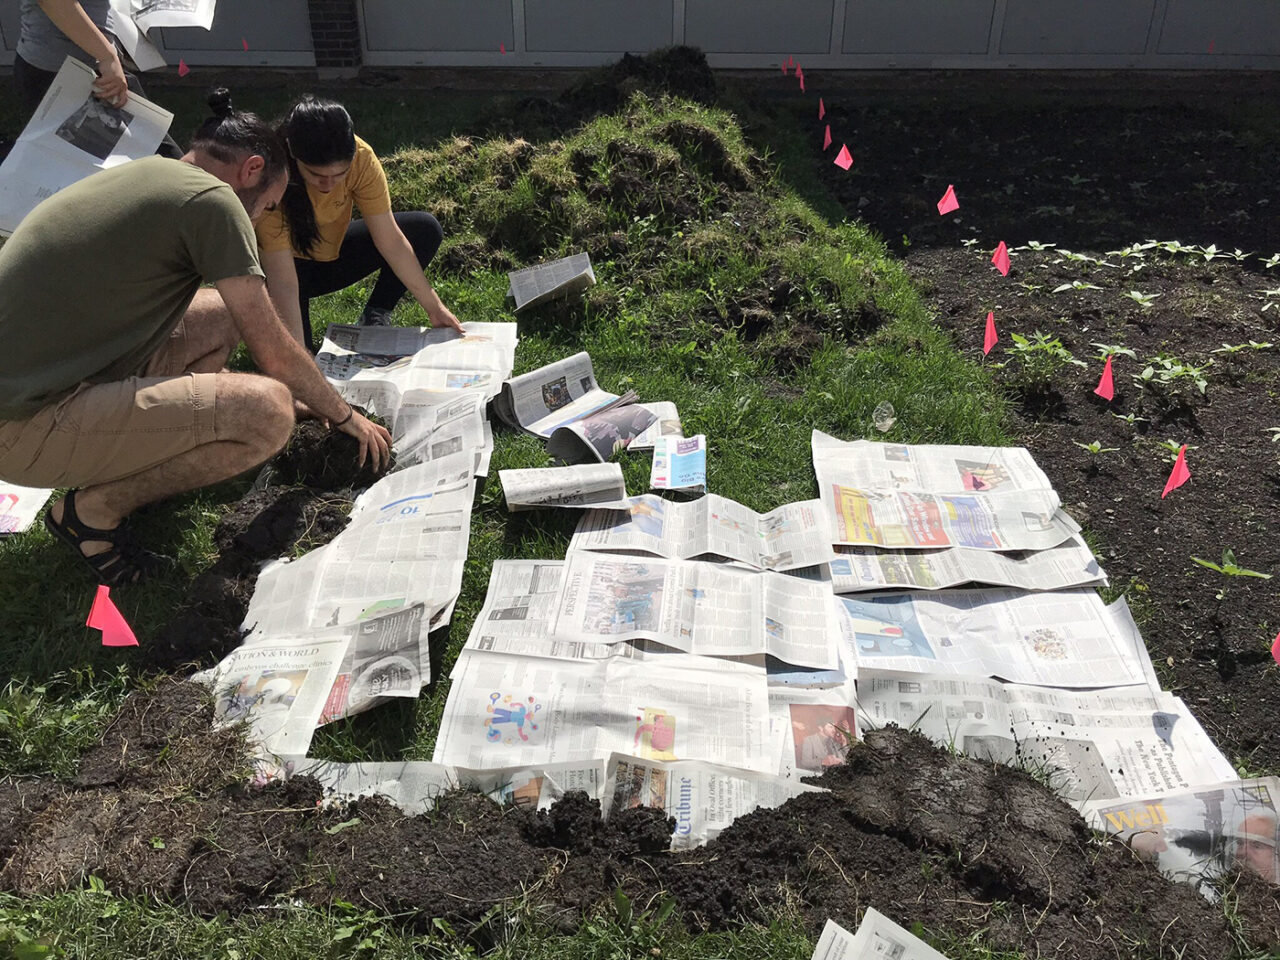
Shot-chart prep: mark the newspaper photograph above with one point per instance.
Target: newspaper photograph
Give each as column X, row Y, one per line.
column 377, row 367
column 601, row 435
column 791, row 537
column 278, row 689
column 406, row 543
column 1066, row 638
column 1091, row 745
column 1199, row 835
column 708, row 609
column 543, row 400
column 1070, row 564
column 679, row 463
column 424, row 430
column 386, row 657
column 598, row 485
column 667, row 425
column 544, row 282
column 73, row 135
column 918, row 497
column 704, row 798
column 814, row 727
column 19, row 506
column 148, row 14
column 877, row 937
column 508, row 711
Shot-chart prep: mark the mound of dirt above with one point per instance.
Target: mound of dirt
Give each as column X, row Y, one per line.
column 322, row 459
column 677, row 71
column 925, row 836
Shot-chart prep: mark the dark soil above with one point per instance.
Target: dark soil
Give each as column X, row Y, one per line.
column 1093, row 169
column 303, row 505
column 929, row 837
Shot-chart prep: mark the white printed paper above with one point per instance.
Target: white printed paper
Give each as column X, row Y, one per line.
column 598, row 485
column 679, row 463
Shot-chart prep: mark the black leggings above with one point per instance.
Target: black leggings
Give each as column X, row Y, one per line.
column 358, row 257
column 32, row 84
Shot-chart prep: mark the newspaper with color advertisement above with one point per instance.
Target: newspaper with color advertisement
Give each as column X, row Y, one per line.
column 927, row 497
column 813, row 727
column 704, row 798
column 19, row 506
column 1091, row 745
column 789, row 537
column 1070, row 564
column 877, row 937
column 1064, row 638
column 594, row 485
column 679, row 463
column 713, row 610
column 505, row 710
column 73, row 135
column 1200, row 834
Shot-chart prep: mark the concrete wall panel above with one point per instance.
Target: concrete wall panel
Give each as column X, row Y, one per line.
column 918, row 26
column 1078, row 26
column 635, row 26
column 759, row 26
column 1233, row 28
column 287, row 28
column 427, row 25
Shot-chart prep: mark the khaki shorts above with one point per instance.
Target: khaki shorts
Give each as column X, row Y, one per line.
column 107, row 431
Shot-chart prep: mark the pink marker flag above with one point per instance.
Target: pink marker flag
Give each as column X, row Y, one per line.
column 244, row 43
column 183, row 69
column 1179, row 475
column 1001, row 258
column 826, row 137
column 948, row 201
column 844, row 159
column 104, row 616
column 800, row 75
column 502, row 47
column 791, row 61
column 1106, row 387
column 1275, row 649
column 1211, row 46
column 822, row 109
column 784, row 68
column 989, row 338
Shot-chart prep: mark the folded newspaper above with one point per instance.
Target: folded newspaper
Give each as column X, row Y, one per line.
column 1067, row 638
column 1070, row 564
column 877, row 937
column 173, row 13
column 601, row 435
column 679, row 463
column 789, row 537
column 120, row 24
column 1200, row 834
column 19, row 506
column 73, row 135
column 667, row 424
column 919, row 497
column 598, row 485
column 544, row 282
column 1091, row 745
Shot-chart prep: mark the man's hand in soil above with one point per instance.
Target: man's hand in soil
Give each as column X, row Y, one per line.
column 375, row 441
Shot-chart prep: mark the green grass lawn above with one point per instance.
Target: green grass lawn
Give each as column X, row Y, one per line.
column 721, row 288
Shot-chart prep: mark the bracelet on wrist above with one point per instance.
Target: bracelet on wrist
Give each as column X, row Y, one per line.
column 351, row 412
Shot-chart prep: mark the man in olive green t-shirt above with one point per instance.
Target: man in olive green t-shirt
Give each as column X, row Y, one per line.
column 111, row 376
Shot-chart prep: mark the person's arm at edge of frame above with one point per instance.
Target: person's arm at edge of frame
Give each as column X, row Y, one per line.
column 281, row 357
column 282, row 286
column 69, row 17
column 398, row 252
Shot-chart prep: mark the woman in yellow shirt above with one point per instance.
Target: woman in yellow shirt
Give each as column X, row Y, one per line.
column 311, row 246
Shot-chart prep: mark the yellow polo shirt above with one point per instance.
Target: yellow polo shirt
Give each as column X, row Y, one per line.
column 364, row 186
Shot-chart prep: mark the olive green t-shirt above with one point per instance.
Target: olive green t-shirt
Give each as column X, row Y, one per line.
column 97, row 276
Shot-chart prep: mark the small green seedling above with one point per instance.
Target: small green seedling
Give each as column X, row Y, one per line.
column 1037, row 245
column 1076, row 285
column 1210, row 252
column 1095, row 448
column 1132, row 419
column 1144, row 300
column 1239, row 256
column 1275, row 433
column 1172, row 448
column 1113, row 350
column 1271, row 261
column 1034, row 360
column 1229, row 348
column 1172, row 378
column 1230, row 569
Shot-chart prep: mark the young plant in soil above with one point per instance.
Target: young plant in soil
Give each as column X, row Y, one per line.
column 1033, row 362
column 1229, row 569
column 1169, row 384
column 1095, row 449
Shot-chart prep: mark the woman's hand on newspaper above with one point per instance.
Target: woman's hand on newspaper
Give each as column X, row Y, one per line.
column 111, row 86
column 375, row 441
column 442, row 316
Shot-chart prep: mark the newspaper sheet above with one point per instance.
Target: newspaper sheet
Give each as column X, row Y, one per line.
column 508, row 710
column 788, row 538
column 144, row 54
column 1201, row 834
column 598, row 485
column 387, row 656
column 19, row 506
column 376, row 367
column 279, row 689
column 877, row 937
column 679, row 463
column 415, row 785
column 406, row 543
column 667, row 425
column 1092, row 745
column 72, row 135
column 1068, row 638
column 707, row 609
column 543, row 282
column 546, row 399
column 1070, row 564
column 704, row 798
column 918, row 497
column 813, row 726
column 173, row 13
column 601, row 435
column 424, row 430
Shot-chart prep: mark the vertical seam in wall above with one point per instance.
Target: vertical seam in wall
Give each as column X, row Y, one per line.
column 1154, row 32
column 998, row 13
column 364, row 34
column 677, row 22
column 517, row 26
column 839, row 12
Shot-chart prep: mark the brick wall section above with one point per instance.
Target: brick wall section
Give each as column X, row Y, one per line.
column 335, row 32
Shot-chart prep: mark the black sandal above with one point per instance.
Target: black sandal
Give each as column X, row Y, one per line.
column 124, row 562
